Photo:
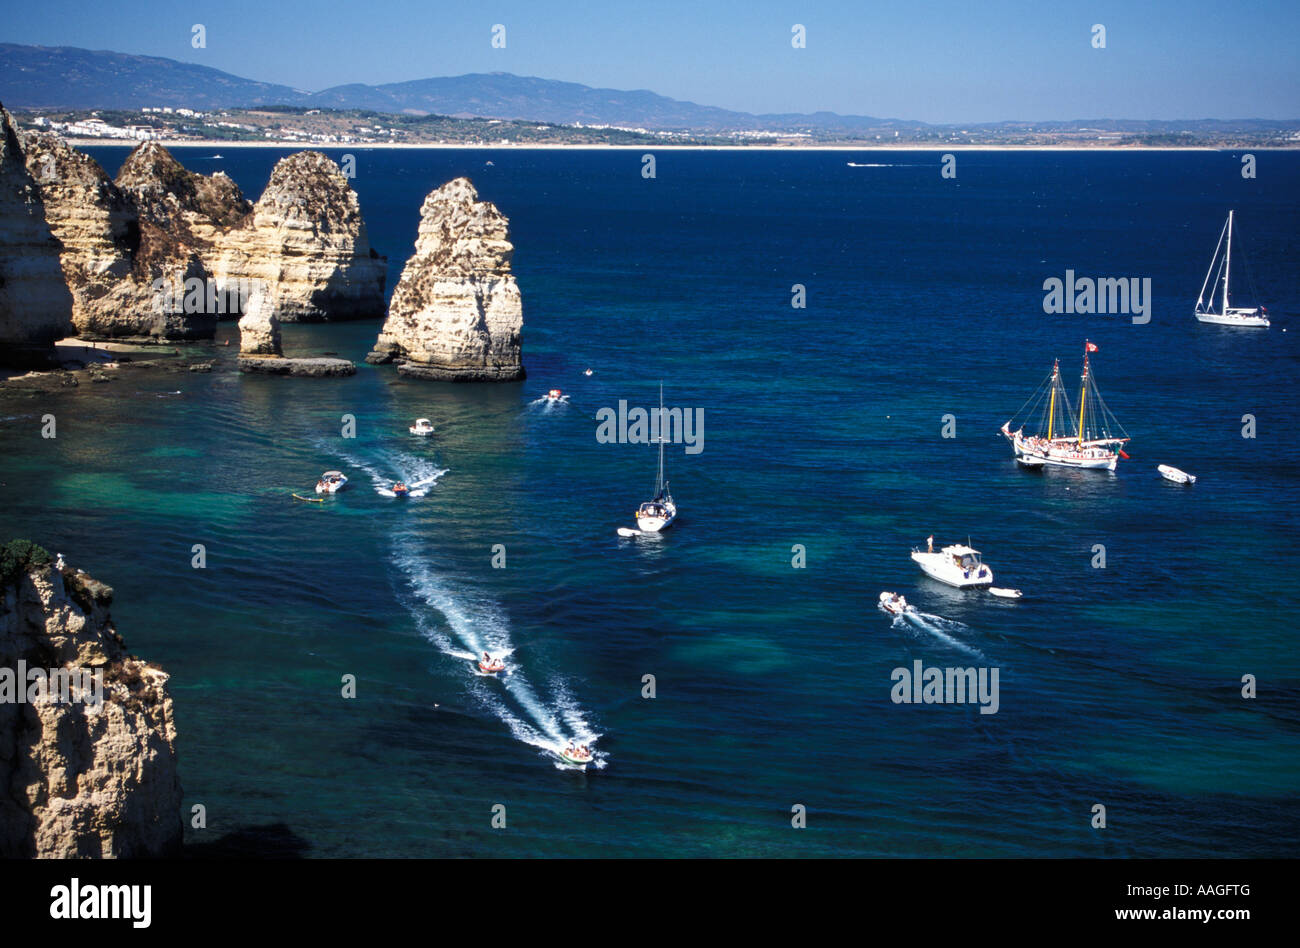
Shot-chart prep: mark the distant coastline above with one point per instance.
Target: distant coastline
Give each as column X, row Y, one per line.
column 647, row 147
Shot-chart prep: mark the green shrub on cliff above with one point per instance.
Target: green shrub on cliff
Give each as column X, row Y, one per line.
column 18, row 556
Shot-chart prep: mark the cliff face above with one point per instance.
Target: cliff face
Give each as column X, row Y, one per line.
column 162, row 252
column 306, row 240
column 78, row 780
column 456, row 313
column 35, row 306
column 111, row 258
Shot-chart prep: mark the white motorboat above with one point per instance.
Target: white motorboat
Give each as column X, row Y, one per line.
column 555, row 395
column 1226, row 314
column 956, row 565
column 579, row 757
column 331, row 482
column 490, row 666
column 422, row 426
column 1004, row 593
column 1097, row 440
column 895, row 604
column 1175, row 475
column 659, row 513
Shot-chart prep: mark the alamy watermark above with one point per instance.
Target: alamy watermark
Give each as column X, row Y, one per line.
column 1102, row 296
column 647, row 425
column 921, row 685
column 206, row 297
column 73, row 685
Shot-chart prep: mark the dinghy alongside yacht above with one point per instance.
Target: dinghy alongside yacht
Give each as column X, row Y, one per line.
column 659, row 512
column 957, row 565
column 1226, row 314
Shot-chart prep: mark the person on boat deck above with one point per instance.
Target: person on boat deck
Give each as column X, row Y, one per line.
column 929, row 544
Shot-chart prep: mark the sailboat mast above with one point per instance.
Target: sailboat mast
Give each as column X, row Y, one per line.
column 659, row 480
column 1051, row 408
column 1083, row 392
column 1227, row 266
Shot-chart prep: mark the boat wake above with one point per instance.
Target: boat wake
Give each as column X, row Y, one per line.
column 464, row 626
column 946, row 630
column 389, row 467
column 549, row 405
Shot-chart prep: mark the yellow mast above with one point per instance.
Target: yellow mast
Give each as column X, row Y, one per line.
column 1083, row 392
column 1051, row 410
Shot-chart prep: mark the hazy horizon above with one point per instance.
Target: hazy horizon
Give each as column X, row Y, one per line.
column 941, row 62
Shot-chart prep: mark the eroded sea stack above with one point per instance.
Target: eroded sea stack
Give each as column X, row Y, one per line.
column 80, row 779
column 306, row 240
column 114, row 258
column 456, row 314
column 163, row 253
column 35, row 306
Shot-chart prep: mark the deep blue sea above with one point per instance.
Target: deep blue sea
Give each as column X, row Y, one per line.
column 1119, row 686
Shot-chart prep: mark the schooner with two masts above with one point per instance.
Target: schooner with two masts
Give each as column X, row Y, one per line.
column 1092, row 440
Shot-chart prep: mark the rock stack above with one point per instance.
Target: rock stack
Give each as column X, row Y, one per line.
column 456, row 313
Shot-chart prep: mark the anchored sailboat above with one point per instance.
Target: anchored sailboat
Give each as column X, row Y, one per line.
column 1097, row 441
column 1226, row 314
column 659, row 513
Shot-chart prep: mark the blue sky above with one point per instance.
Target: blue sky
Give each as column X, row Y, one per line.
column 940, row 61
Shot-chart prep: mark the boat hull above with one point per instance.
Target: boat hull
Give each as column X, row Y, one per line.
column 1088, row 459
column 649, row 523
column 939, row 566
column 1244, row 320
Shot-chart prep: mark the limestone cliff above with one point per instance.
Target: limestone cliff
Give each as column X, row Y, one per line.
column 35, row 306
column 306, row 240
column 456, row 313
column 79, row 780
column 113, row 262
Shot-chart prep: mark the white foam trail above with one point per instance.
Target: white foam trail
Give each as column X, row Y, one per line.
column 474, row 625
column 934, row 626
column 549, row 405
column 419, row 474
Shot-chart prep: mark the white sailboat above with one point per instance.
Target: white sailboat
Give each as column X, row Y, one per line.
column 1097, row 441
column 1221, row 268
column 659, row 513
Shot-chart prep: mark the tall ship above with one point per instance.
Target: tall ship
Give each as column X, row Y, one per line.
column 1221, row 268
column 1092, row 439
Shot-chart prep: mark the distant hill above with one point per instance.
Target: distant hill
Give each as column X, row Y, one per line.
column 65, row 77
column 50, row 77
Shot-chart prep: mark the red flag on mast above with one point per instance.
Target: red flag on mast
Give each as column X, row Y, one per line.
column 1091, row 347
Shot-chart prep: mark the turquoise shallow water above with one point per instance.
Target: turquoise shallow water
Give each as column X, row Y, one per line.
column 1118, row 686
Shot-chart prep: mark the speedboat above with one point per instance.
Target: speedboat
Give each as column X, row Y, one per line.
column 895, row 604
column 554, row 395
column 401, row 490
column 422, row 426
column 956, row 565
column 576, row 756
column 331, row 482
column 588, row 372
column 491, row 666
column 1175, row 475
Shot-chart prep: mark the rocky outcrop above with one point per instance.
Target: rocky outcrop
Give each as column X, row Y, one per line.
column 80, row 779
column 306, row 240
column 259, row 327
column 456, row 313
column 312, row 368
column 35, row 305
column 126, row 275
column 163, row 253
